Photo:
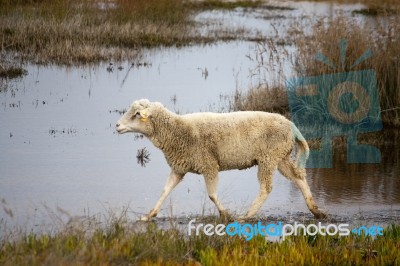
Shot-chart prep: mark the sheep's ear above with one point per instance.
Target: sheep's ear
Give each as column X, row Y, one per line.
column 144, row 115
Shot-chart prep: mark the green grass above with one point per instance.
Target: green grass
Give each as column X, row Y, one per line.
column 119, row 243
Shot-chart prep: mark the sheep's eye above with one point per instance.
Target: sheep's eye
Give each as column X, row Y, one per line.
column 135, row 115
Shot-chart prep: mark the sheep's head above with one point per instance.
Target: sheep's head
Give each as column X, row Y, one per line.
column 138, row 118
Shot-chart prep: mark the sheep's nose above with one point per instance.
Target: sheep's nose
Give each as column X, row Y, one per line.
column 117, row 125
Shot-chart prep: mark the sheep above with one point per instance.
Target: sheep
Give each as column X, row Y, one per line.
column 206, row 143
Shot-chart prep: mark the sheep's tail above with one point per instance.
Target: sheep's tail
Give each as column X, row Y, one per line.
column 303, row 149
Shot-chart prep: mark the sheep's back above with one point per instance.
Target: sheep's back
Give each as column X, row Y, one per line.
column 239, row 139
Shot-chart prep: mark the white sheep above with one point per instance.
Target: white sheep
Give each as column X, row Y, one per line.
column 206, row 143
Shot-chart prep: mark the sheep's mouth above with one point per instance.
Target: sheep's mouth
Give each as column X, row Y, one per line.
column 122, row 130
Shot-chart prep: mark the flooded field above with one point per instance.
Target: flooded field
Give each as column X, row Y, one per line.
column 60, row 156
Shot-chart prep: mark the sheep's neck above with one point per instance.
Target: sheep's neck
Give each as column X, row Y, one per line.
column 172, row 135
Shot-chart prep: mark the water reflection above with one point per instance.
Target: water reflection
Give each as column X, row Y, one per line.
column 373, row 185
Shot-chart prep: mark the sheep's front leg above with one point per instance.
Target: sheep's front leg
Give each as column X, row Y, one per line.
column 172, row 181
column 212, row 184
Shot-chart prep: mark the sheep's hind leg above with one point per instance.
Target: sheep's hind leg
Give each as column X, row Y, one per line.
column 298, row 176
column 172, row 181
column 212, row 184
column 265, row 180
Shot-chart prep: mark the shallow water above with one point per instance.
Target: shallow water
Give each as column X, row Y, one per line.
column 58, row 143
column 60, row 156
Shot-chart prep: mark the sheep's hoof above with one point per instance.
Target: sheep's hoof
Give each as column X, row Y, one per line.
column 145, row 218
column 242, row 219
column 226, row 217
column 320, row 215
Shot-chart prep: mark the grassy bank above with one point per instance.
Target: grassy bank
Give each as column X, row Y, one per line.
column 119, row 243
column 70, row 31
column 90, row 31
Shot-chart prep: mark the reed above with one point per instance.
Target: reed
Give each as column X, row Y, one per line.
column 380, row 35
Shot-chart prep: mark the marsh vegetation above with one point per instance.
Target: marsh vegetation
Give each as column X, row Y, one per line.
column 116, row 241
column 108, row 36
column 68, row 31
column 380, row 36
column 78, row 32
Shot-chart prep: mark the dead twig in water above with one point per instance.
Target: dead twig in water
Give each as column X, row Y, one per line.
column 143, row 157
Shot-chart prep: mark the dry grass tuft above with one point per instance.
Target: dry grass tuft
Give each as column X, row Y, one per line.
column 381, row 36
column 11, row 71
column 262, row 98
